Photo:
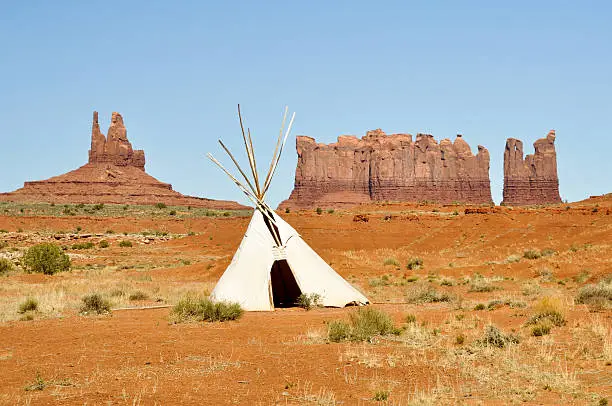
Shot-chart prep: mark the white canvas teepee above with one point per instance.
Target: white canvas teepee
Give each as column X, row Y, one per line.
column 273, row 264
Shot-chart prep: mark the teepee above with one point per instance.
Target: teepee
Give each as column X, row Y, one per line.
column 273, row 265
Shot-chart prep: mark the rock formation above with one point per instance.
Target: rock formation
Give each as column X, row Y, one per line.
column 114, row 174
column 116, row 149
column 380, row 167
column 532, row 180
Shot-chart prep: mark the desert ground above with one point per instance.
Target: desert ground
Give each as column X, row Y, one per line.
column 472, row 268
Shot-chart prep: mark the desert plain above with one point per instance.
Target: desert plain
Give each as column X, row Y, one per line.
column 447, row 275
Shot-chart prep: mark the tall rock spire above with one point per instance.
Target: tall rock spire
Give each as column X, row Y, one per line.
column 532, row 180
column 115, row 148
column 98, row 140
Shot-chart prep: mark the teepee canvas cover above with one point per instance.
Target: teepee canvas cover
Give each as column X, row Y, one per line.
column 273, row 264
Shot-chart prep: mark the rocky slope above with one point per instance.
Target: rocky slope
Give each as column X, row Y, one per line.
column 381, row 167
column 114, row 174
column 532, row 180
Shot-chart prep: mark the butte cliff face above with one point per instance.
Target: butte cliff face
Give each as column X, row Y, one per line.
column 380, row 167
column 114, row 174
column 532, row 180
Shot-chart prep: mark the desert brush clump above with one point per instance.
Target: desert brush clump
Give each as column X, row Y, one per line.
column 535, row 254
column 427, row 294
column 191, row 308
column 83, row 245
column 596, row 295
column 532, row 254
column 125, row 244
column 28, row 305
column 95, row 304
column 6, row 266
column 479, row 283
column 548, row 311
column 363, row 325
column 391, row 261
column 45, row 258
column 138, row 295
column 494, row 337
column 309, row 301
column 414, row 264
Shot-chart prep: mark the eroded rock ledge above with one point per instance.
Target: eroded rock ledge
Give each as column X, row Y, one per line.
column 381, row 167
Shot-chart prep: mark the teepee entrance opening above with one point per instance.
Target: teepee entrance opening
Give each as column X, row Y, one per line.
column 285, row 290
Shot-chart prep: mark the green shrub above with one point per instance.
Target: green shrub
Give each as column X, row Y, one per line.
column 427, row 294
column 391, row 261
column 414, row 264
column 532, row 254
column 95, row 304
column 98, row 206
column 309, row 301
column 5, row 266
column 161, row 205
column 364, row 324
column 139, row 295
column 541, row 329
column 45, row 258
column 479, row 306
column 338, row 330
column 287, row 210
column 368, row 322
column 319, row 210
column 125, row 244
column 172, row 212
column 382, row 281
column 546, row 252
column 599, row 295
column 410, row 318
column 203, row 309
column 494, row 337
column 381, row 396
column 460, row 339
column 83, row 245
column 103, row 244
column 30, row 304
column 330, row 211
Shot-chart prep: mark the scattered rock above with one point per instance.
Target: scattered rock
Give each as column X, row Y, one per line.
column 361, row 218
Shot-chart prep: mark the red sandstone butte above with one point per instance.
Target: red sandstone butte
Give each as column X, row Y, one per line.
column 115, row 173
column 532, row 180
column 381, row 167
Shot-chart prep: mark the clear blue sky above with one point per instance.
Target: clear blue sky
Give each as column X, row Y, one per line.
column 176, row 70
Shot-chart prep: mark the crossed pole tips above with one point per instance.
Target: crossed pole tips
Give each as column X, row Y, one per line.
column 253, row 189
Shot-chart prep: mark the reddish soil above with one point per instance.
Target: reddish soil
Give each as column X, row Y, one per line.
column 138, row 357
